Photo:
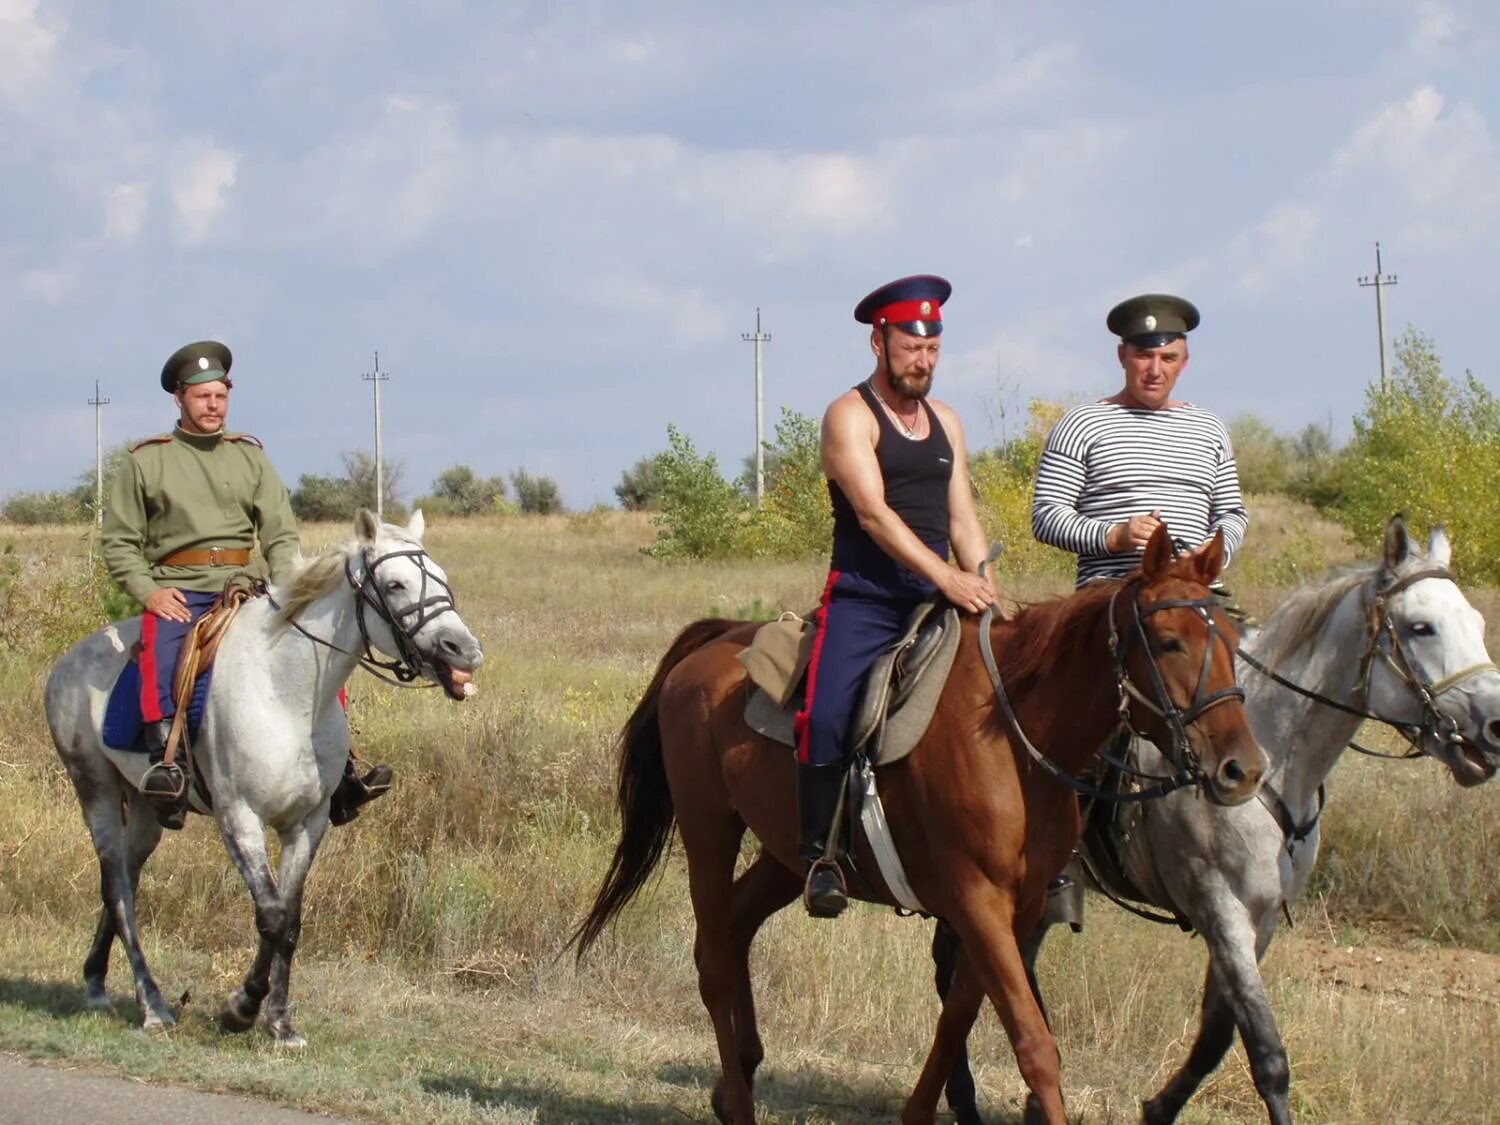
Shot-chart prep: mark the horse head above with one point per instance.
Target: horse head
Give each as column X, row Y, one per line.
column 1175, row 656
column 1427, row 664
column 413, row 614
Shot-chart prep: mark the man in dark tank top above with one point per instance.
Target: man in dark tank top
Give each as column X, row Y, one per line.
column 898, row 476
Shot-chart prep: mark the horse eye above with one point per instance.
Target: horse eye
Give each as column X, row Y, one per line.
column 1169, row 644
column 394, row 586
column 1423, row 629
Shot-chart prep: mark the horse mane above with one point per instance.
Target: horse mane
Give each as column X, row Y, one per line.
column 321, row 575
column 1299, row 621
column 1043, row 631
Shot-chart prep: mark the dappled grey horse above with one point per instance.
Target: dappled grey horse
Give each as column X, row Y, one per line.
column 1396, row 642
column 272, row 742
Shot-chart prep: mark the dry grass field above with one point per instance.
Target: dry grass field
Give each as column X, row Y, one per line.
column 429, row 981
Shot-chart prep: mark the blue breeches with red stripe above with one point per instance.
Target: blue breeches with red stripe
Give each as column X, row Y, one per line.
column 161, row 645
column 857, row 621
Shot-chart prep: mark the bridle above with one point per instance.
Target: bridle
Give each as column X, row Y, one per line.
column 1384, row 644
column 1188, row 770
column 368, row 594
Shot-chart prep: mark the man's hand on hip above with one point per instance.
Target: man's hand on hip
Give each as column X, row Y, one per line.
column 168, row 603
column 1133, row 534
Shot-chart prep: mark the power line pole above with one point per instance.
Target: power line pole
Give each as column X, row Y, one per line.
column 758, row 339
column 377, row 377
column 98, row 403
column 1380, row 282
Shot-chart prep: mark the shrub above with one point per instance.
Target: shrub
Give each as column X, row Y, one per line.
column 701, row 513
column 460, row 492
column 796, row 519
column 1428, row 447
column 46, row 507
column 538, row 496
column 640, row 487
column 1004, row 479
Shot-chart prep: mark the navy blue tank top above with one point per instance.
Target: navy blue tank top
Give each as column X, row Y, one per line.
column 916, row 476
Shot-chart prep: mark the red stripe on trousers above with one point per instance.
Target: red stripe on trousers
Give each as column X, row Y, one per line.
column 799, row 723
column 150, row 696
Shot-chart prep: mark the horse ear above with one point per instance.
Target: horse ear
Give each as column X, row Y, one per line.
column 1208, row 560
column 366, row 527
column 1439, row 550
column 1159, row 552
column 1397, row 542
column 416, row 526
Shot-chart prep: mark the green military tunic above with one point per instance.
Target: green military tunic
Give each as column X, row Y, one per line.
column 186, row 491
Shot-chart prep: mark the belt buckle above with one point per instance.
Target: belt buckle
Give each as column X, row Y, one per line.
column 213, row 556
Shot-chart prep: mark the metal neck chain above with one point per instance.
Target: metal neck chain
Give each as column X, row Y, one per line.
column 911, row 431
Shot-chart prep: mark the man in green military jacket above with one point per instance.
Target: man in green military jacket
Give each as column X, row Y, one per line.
column 184, row 512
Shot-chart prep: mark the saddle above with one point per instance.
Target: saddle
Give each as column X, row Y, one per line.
column 895, row 709
column 900, row 694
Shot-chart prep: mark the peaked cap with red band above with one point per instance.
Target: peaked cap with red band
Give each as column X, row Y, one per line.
column 912, row 304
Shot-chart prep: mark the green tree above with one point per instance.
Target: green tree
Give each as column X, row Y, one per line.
column 1430, row 447
column 45, row 507
column 796, row 518
column 1264, row 457
column 459, row 491
column 701, row 513
column 640, row 486
column 336, row 499
column 537, row 496
column 1004, row 478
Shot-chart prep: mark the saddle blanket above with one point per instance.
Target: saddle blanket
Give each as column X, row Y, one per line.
column 123, row 722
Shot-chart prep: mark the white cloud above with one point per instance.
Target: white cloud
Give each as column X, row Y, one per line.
column 200, row 185
column 1434, row 29
column 26, row 49
column 677, row 316
column 50, row 284
column 1276, row 245
column 125, row 210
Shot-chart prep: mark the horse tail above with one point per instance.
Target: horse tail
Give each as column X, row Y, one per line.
column 642, row 794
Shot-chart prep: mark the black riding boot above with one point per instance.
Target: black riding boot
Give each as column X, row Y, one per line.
column 354, row 791
column 819, row 790
column 164, row 785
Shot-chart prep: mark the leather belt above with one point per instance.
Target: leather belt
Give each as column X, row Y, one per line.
column 209, row 556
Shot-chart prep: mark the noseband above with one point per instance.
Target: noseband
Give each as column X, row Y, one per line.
column 368, row 593
column 1189, row 771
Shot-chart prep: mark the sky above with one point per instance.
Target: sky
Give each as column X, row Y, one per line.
column 554, row 221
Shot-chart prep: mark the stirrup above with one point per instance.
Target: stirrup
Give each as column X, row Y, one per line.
column 825, row 901
column 353, row 791
column 164, row 785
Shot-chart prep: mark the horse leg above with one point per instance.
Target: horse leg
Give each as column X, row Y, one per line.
column 245, row 837
column 962, row 996
column 711, row 840
column 142, row 834
column 118, row 878
column 761, row 890
column 298, row 847
column 992, row 959
column 1234, row 996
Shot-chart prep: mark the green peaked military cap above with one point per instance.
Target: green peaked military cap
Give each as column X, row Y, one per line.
column 1152, row 319
column 190, row 364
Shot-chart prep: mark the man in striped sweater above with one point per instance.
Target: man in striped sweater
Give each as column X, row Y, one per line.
column 1115, row 469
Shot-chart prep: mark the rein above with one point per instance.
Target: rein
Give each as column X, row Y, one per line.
column 1434, row 724
column 408, row 666
column 1189, row 772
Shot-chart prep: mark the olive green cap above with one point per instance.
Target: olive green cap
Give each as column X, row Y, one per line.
column 1152, row 319
column 191, row 364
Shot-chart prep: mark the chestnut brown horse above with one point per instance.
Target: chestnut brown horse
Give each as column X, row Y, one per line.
column 980, row 820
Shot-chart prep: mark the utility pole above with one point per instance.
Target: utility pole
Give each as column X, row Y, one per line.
column 377, row 377
column 758, row 339
column 1380, row 282
column 98, row 403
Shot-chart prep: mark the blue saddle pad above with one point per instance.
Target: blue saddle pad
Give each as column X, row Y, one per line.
column 122, row 714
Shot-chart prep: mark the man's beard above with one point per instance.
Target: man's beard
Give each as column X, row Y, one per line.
column 912, row 387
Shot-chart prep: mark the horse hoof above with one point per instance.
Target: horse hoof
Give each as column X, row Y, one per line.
column 158, row 1023
column 716, row 1101
column 291, row 1041
column 232, row 1020
column 97, row 1000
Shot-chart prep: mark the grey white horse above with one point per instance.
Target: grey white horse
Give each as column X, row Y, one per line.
column 1397, row 641
column 272, row 744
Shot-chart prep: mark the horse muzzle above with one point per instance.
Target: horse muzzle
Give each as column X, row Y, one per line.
column 1469, row 763
column 1238, row 775
column 453, row 663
